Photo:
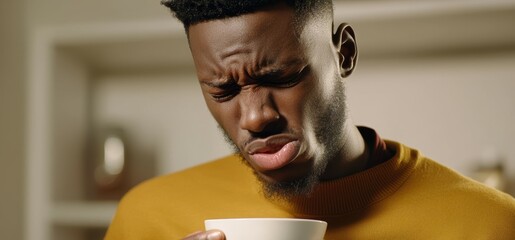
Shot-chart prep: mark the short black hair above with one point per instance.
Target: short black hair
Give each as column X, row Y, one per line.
column 190, row 12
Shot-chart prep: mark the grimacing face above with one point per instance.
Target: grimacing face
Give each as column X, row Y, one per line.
column 276, row 92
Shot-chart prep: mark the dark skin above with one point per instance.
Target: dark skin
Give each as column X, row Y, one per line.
column 267, row 83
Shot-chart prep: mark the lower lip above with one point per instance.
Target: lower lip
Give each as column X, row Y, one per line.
column 277, row 160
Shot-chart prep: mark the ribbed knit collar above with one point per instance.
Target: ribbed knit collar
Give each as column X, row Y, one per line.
column 351, row 193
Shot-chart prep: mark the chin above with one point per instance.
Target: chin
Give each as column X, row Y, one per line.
column 284, row 175
column 289, row 189
column 293, row 180
column 288, row 184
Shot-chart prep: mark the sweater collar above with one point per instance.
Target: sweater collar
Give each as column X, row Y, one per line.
column 354, row 192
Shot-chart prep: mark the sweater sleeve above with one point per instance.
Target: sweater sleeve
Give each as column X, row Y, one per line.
column 121, row 226
column 140, row 215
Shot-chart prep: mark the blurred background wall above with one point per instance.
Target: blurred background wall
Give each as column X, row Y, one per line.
column 18, row 18
column 12, row 108
column 439, row 82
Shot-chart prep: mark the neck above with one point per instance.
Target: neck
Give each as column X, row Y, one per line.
column 352, row 157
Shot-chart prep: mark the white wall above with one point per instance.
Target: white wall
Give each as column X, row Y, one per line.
column 454, row 109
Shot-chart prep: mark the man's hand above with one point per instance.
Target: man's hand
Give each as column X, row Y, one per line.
column 207, row 235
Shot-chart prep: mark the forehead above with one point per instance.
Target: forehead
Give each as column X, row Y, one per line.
column 264, row 35
column 277, row 16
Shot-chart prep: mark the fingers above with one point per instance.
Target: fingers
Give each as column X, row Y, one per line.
column 207, row 235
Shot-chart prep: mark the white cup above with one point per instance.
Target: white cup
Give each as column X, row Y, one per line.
column 268, row 228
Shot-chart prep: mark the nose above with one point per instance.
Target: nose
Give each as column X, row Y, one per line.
column 258, row 112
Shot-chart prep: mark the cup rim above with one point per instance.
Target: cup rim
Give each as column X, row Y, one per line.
column 264, row 219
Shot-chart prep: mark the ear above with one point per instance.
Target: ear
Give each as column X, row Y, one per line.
column 344, row 41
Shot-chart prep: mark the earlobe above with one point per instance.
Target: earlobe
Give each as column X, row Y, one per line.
column 344, row 41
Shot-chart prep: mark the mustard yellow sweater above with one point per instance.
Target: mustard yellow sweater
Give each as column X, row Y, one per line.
column 406, row 197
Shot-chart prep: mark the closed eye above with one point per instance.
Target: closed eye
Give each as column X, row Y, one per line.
column 286, row 81
column 221, row 91
column 225, row 92
column 224, row 95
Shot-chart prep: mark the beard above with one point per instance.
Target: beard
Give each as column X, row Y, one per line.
column 329, row 122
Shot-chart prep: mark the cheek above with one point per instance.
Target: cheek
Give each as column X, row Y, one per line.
column 293, row 103
column 225, row 114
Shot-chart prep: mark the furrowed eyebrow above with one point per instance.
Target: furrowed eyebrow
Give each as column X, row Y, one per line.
column 273, row 72
column 276, row 71
column 266, row 73
column 225, row 83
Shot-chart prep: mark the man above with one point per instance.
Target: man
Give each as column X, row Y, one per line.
column 273, row 76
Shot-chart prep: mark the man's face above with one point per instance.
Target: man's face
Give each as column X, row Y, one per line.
column 276, row 93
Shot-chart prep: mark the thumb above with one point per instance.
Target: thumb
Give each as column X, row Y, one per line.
column 207, row 235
